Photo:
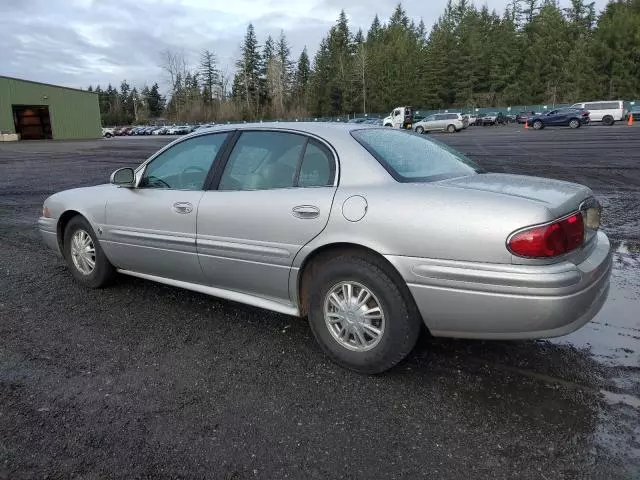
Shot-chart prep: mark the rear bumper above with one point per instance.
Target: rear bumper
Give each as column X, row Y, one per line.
column 489, row 301
column 48, row 232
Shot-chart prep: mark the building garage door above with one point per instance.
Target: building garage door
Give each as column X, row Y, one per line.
column 32, row 122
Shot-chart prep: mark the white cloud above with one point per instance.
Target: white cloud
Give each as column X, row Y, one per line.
column 82, row 42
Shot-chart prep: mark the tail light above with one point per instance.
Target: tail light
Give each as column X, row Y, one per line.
column 550, row 240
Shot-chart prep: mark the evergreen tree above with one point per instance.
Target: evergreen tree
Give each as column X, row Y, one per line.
column 210, row 78
column 283, row 52
column 246, row 85
column 301, row 80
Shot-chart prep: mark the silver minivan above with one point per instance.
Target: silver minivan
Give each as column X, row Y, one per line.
column 449, row 122
column 608, row 112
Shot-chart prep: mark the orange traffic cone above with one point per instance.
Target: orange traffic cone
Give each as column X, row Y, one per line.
column 630, row 121
column 526, row 124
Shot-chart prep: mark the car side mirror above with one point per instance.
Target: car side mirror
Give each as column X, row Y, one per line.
column 124, row 177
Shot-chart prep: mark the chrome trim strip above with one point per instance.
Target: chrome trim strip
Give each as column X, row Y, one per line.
column 179, row 239
column 221, row 293
column 238, row 247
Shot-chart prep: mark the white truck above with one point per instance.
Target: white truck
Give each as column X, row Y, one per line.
column 401, row 117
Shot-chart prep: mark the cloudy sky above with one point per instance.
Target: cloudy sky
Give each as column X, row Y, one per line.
column 85, row 42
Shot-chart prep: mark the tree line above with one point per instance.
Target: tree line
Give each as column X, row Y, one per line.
column 535, row 52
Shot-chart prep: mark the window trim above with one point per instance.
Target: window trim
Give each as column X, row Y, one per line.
column 139, row 172
column 221, row 163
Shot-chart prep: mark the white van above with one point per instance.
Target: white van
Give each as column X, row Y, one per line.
column 608, row 112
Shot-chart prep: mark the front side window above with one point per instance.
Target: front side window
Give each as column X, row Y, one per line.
column 414, row 158
column 184, row 166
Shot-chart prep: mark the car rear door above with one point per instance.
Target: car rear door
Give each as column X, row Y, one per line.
column 151, row 229
column 272, row 195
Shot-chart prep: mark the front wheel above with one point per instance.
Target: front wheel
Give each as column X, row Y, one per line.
column 359, row 315
column 574, row 123
column 419, row 130
column 537, row 125
column 388, row 125
column 84, row 256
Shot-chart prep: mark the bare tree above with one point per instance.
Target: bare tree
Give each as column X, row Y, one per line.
column 361, row 69
column 275, row 85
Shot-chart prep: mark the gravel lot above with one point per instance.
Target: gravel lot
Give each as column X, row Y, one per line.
column 146, row 381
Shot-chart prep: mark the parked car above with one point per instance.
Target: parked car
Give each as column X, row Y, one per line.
column 160, row 131
column 607, row 112
column 561, row 117
column 635, row 112
column 492, row 118
column 522, row 117
column 471, row 118
column 107, row 132
column 444, row 122
column 329, row 221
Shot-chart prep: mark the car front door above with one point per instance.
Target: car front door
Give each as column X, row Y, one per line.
column 273, row 197
column 151, row 229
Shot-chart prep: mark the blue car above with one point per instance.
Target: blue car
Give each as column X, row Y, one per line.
column 562, row 117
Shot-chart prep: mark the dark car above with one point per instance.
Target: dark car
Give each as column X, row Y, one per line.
column 562, row 117
column 635, row 112
column 492, row 118
column 522, row 117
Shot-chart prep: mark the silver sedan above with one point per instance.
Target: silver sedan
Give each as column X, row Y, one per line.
column 369, row 232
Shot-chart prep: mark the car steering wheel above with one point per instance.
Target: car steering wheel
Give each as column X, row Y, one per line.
column 193, row 169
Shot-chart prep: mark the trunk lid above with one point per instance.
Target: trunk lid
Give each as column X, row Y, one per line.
column 558, row 196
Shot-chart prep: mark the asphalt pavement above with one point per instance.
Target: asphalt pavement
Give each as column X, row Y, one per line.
column 142, row 380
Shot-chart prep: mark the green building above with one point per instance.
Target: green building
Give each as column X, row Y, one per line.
column 42, row 111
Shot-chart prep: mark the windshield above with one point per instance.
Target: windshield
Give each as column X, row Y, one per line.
column 410, row 157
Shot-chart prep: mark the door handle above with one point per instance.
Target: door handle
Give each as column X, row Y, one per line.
column 182, row 207
column 305, row 211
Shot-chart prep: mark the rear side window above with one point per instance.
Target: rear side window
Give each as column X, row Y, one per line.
column 317, row 168
column 270, row 160
column 603, row 106
column 411, row 157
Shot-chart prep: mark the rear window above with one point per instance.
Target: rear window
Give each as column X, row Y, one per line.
column 410, row 157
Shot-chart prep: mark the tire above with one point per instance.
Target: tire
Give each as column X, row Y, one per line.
column 538, row 125
column 451, row 129
column 103, row 273
column 401, row 325
column 574, row 123
column 107, row 135
column 419, row 130
column 388, row 125
column 608, row 120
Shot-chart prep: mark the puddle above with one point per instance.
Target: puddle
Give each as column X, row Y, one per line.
column 613, row 336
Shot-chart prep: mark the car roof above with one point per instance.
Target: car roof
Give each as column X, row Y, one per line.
column 316, row 128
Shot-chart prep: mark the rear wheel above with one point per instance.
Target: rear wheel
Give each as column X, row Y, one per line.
column 574, row 123
column 108, row 135
column 451, row 128
column 388, row 125
column 537, row 125
column 359, row 316
column 419, row 130
column 608, row 120
column 84, row 256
